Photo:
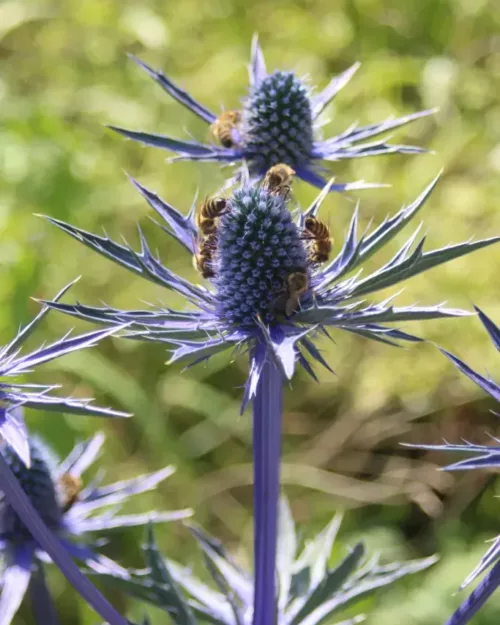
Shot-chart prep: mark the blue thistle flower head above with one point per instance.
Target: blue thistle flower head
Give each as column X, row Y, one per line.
column 38, row 484
column 258, row 246
column 13, row 394
column 257, row 250
column 277, row 123
column 69, row 511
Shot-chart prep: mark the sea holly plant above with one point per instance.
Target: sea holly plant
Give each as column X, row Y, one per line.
column 277, row 124
column 69, row 511
column 257, row 248
column 312, row 591
column 481, row 457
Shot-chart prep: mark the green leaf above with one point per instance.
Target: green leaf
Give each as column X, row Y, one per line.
column 317, row 552
column 175, row 603
column 368, row 579
column 234, row 576
column 330, row 584
column 287, row 548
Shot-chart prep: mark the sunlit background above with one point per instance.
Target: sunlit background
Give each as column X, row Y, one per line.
column 65, row 74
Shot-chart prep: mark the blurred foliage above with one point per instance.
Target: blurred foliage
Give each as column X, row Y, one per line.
column 65, row 73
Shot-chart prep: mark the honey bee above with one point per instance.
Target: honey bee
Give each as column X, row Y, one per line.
column 209, row 211
column 297, row 284
column 203, row 258
column 321, row 242
column 223, row 126
column 70, row 486
column 278, row 179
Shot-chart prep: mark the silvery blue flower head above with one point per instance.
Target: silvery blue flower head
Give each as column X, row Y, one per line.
column 15, row 394
column 277, row 124
column 68, row 510
column 483, row 457
column 270, row 288
column 247, row 300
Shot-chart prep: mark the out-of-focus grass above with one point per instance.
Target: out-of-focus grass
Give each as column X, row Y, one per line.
column 64, row 73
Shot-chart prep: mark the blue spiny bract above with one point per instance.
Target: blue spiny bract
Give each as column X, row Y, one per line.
column 258, row 245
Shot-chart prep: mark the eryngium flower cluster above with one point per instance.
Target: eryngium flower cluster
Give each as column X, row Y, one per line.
column 277, row 124
column 255, row 248
column 258, row 247
column 68, row 510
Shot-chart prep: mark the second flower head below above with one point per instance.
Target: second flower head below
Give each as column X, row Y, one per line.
column 259, row 259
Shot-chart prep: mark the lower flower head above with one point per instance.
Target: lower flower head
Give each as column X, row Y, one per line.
column 38, row 484
column 259, row 247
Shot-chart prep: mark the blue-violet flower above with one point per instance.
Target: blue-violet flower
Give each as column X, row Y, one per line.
column 67, row 509
column 277, row 124
column 253, row 262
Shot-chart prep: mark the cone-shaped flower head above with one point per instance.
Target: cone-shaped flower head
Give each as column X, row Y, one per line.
column 67, row 508
column 270, row 281
column 38, row 484
column 258, row 247
column 277, row 124
column 14, row 394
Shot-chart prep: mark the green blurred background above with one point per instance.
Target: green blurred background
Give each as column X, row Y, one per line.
column 65, row 73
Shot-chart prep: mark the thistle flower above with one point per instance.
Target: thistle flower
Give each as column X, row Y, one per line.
column 277, row 125
column 68, row 511
column 310, row 592
column 256, row 249
column 483, row 457
column 14, row 394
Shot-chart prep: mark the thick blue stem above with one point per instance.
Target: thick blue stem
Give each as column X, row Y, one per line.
column 477, row 598
column 49, row 543
column 267, row 416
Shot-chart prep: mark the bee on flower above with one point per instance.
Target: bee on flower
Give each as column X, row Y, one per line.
column 93, row 511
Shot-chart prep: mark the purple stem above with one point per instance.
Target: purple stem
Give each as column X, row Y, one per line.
column 477, row 598
column 267, row 414
column 51, row 545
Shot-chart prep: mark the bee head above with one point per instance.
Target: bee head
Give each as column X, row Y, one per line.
column 297, row 281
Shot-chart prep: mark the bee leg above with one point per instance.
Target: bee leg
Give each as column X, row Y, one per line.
column 291, row 306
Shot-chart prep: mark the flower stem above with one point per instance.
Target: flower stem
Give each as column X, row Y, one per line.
column 51, row 545
column 477, row 598
column 267, row 415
